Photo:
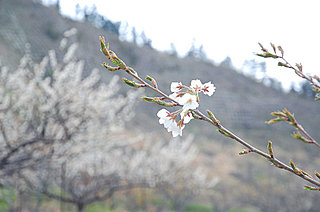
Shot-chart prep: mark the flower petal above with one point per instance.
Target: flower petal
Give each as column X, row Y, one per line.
column 196, row 85
column 186, row 116
column 208, row 88
column 176, row 86
column 163, row 113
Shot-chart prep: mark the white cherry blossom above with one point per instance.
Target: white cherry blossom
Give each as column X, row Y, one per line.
column 196, row 85
column 176, row 130
column 166, row 119
column 208, row 88
column 175, row 96
column 176, row 86
column 189, row 101
column 186, row 116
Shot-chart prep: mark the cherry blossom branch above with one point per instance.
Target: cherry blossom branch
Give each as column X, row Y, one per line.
column 121, row 65
column 285, row 115
column 175, row 99
column 298, row 68
column 270, row 157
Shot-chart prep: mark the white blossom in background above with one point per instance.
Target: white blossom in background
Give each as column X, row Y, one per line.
column 62, row 131
column 44, row 105
column 188, row 97
column 70, row 32
column 98, row 170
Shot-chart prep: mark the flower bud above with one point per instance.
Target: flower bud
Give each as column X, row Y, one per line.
column 110, row 68
column 153, row 81
column 310, row 188
column 213, row 118
column 262, row 48
column 116, row 61
column 299, row 66
column 281, row 50
column 268, row 55
column 273, row 121
column 224, row 133
column 270, row 149
column 283, row 64
column 158, row 101
column 274, row 48
column 298, row 136
column 244, row 152
column 278, row 113
column 317, row 78
column 317, row 174
column 131, row 70
column 104, row 49
column 295, row 169
column 147, row 99
column 290, row 117
column 132, row 83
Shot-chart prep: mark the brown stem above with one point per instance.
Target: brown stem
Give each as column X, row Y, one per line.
column 307, row 135
column 280, row 164
column 151, row 87
column 301, row 74
column 275, row 161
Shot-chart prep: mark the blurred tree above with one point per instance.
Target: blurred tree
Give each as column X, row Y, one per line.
column 293, row 88
column 201, row 53
column 192, row 50
column 195, row 52
column 96, row 171
column 110, row 26
column 57, row 5
column 63, row 132
column 43, row 105
column 78, row 9
column 307, row 90
column 255, row 69
column 145, row 40
column 173, row 50
column 227, row 62
column 134, row 35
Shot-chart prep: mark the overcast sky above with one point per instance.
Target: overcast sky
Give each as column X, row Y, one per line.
column 224, row 27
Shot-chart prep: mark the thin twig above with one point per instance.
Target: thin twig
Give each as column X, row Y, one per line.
column 251, row 148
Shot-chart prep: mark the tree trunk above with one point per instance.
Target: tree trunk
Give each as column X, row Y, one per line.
column 80, row 207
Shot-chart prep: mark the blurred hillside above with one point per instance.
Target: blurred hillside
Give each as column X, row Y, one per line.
column 240, row 103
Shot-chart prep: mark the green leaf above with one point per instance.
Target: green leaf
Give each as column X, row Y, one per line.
column 310, row 188
column 132, row 83
column 283, row 64
column 213, row 118
column 317, row 174
column 158, row 101
column 273, row 121
column 270, row 149
column 110, row 68
column 223, row 133
column 244, row 152
column 153, row 81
